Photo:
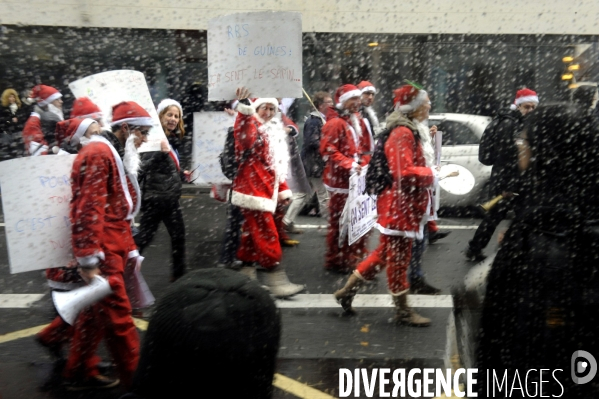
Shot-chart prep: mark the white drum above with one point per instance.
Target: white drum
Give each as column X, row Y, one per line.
column 456, row 185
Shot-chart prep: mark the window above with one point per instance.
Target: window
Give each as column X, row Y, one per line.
column 457, row 133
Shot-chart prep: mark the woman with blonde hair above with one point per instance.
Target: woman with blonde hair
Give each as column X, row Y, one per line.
column 12, row 119
column 160, row 180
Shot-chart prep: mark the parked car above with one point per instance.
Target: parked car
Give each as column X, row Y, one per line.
column 460, row 140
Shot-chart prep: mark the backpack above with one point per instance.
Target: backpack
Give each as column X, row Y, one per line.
column 378, row 176
column 228, row 163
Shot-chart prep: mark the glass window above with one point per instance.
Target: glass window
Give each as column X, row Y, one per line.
column 457, row 133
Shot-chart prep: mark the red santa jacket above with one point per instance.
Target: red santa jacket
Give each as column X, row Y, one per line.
column 33, row 133
column 340, row 147
column 402, row 206
column 256, row 185
column 103, row 204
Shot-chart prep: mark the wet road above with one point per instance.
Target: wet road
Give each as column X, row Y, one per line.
column 317, row 340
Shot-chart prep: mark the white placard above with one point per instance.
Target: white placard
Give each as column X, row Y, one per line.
column 261, row 51
column 209, row 134
column 359, row 214
column 36, row 192
column 110, row 88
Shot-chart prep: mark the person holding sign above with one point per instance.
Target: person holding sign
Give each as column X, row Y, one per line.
column 38, row 133
column 403, row 206
column 346, row 148
column 261, row 149
column 105, row 200
column 161, row 182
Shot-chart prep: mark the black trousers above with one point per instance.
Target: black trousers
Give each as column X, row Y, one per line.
column 168, row 211
column 487, row 227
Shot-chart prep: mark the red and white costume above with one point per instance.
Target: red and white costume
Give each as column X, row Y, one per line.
column 403, row 207
column 103, row 205
column 345, row 143
column 261, row 149
column 33, row 134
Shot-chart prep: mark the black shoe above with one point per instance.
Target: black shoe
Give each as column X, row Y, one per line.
column 97, row 382
column 475, row 256
column 54, row 349
column 437, row 235
column 421, row 287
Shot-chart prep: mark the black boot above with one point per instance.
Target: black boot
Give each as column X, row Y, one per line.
column 421, row 287
column 437, row 235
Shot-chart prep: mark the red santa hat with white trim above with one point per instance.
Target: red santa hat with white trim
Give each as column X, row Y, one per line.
column 344, row 93
column 525, row 96
column 407, row 98
column 44, row 95
column 256, row 103
column 83, row 107
column 72, row 129
column 132, row 113
column 366, row 87
column 169, row 102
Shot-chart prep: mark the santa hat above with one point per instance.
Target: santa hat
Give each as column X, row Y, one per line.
column 83, row 107
column 525, row 96
column 366, row 87
column 407, row 98
column 72, row 129
column 256, row 103
column 168, row 102
column 131, row 113
column 344, row 93
column 44, row 95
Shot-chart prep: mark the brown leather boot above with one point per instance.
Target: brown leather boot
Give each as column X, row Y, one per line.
column 405, row 315
column 345, row 295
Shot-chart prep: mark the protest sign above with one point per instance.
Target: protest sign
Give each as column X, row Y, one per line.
column 209, row 134
column 36, row 192
column 261, row 51
column 110, row 88
column 359, row 214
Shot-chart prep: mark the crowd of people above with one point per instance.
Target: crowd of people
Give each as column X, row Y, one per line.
column 273, row 179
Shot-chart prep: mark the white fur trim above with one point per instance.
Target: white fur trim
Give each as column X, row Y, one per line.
column 285, row 194
column 527, row 99
column 83, row 126
column 48, row 100
column 255, row 203
column 418, row 235
column 133, row 254
column 369, row 89
column 167, row 102
column 346, row 96
column 33, row 148
column 140, row 121
column 35, row 114
column 415, row 103
column 337, row 190
column 265, row 100
column 90, row 260
column 245, row 109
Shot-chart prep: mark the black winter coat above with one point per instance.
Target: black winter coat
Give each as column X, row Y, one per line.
column 313, row 162
column 159, row 176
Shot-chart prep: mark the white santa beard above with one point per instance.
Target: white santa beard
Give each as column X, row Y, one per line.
column 372, row 116
column 56, row 111
column 426, row 143
column 278, row 149
column 355, row 122
column 131, row 160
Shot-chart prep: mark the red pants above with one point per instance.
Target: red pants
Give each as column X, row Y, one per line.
column 279, row 216
column 432, row 226
column 259, row 240
column 394, row 252
column 110, row 319
column 56, row 333
column 344, row 257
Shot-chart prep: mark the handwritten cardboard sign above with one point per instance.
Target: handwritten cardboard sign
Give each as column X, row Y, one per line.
column 110, row 88
column 359, row 214
column 36, row 192
column 209, row 134
column 261, row 51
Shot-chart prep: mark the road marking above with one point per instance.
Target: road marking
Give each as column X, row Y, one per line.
column 8, row 301
column 298, row 389
column 458, row 227
column 21, row 301
column 363, row 301
column 28, row 332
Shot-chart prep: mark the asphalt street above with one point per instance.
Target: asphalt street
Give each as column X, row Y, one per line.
column 317, row 339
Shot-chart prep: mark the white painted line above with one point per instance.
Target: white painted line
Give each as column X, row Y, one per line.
column 8, row 301
column 311, row 226
column 457, row 227
column 363, row 301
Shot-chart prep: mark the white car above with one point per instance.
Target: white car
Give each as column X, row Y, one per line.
column 460, row 139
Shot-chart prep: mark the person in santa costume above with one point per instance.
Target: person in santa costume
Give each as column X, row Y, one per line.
column 39, row 130
column 263, row 156
column 346, row 146
column 105, row 200
column 366, row 110
column 403, row 207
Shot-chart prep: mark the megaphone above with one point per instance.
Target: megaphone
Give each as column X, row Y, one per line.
column 69, row 304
